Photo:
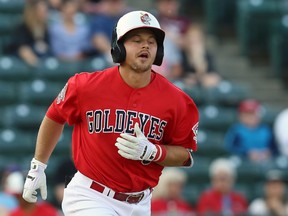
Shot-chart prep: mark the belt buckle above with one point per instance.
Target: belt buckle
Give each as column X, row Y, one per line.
column 134, row 198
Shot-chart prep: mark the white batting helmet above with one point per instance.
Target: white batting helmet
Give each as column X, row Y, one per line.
column 135, row 20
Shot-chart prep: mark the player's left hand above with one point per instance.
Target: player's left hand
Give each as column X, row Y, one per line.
column 136, row 148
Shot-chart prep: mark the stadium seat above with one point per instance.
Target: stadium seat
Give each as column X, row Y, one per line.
column 3, row 123
column 10, row 162
column 93, row 64
column 226, row 94
column 211, row 144
column 11, row 6
column 249, row 172
column 219, row 16
column 14, row 69
column 192, row 191
column 8, row 93
column 5, row 41
column 15, row 142
column 197, row 94
column 247, row 190
column 269, row 114
column 39, row 92
column 216, row 117
column 253, row 20
column 257, row 189
column 8, row 23
column 279, row 46
column 199, row 173
column 54, row 70
column 24, row 116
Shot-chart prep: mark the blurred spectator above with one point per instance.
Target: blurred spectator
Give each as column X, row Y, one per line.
column 274, row 201
column 171, row 66
column 31, row 40
column 103, row 24
column 175, row 27
column 54, row 8
column 250, row 138
column 187, row 56
column 90, row 6
column 7, row 200
column 281, row 132
column 69, row 35
column 198, row 65
column 54, row 4
column 64, row 172
column 167, row 197
column 15, row 180
column 221, row 198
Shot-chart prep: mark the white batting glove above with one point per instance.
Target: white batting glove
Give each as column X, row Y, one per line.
column 36, row 179
column 136, row 148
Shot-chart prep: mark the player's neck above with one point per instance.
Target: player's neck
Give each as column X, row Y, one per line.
column 135, row 79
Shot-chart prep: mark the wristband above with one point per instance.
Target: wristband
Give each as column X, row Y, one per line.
column 161, row 153
column 36, row 163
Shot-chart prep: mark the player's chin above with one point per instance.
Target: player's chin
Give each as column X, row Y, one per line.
column 143, row 66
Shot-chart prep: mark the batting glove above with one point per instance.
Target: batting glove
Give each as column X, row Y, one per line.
column 136, row 148
column 36, row 179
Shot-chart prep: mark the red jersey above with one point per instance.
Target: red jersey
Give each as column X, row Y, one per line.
column 212, row 202
column 101, row 105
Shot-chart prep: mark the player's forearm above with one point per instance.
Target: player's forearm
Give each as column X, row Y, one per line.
column 175, row 156
column 48, row 136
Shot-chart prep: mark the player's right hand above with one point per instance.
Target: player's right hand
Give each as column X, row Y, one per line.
column 36, row 179
column 136, row 148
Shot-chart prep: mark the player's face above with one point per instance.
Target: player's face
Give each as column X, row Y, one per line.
column 141, row 48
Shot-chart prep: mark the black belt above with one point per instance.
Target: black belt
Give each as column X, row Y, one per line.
column 129, row 198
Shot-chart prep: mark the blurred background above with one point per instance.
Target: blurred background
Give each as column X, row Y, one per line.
column 230, row 56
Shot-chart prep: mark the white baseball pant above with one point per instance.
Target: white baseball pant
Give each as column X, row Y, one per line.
column 81, row 200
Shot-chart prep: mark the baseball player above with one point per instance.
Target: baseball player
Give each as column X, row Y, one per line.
column 129, row 122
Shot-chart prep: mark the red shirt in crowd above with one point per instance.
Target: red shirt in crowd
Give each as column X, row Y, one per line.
column 43, row 209
column 212, row 201
column 164, row 207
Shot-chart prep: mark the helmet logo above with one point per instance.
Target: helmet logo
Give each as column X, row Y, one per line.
column 145, row 19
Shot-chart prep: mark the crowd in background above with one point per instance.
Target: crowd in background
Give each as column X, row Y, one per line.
column 73, row 30
column 220, row 197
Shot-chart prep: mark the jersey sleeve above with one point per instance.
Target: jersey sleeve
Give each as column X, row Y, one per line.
column 65, row 108
column 186, row 128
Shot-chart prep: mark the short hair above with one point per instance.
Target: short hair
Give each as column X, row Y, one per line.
column 224, row 165
column 173, row 174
